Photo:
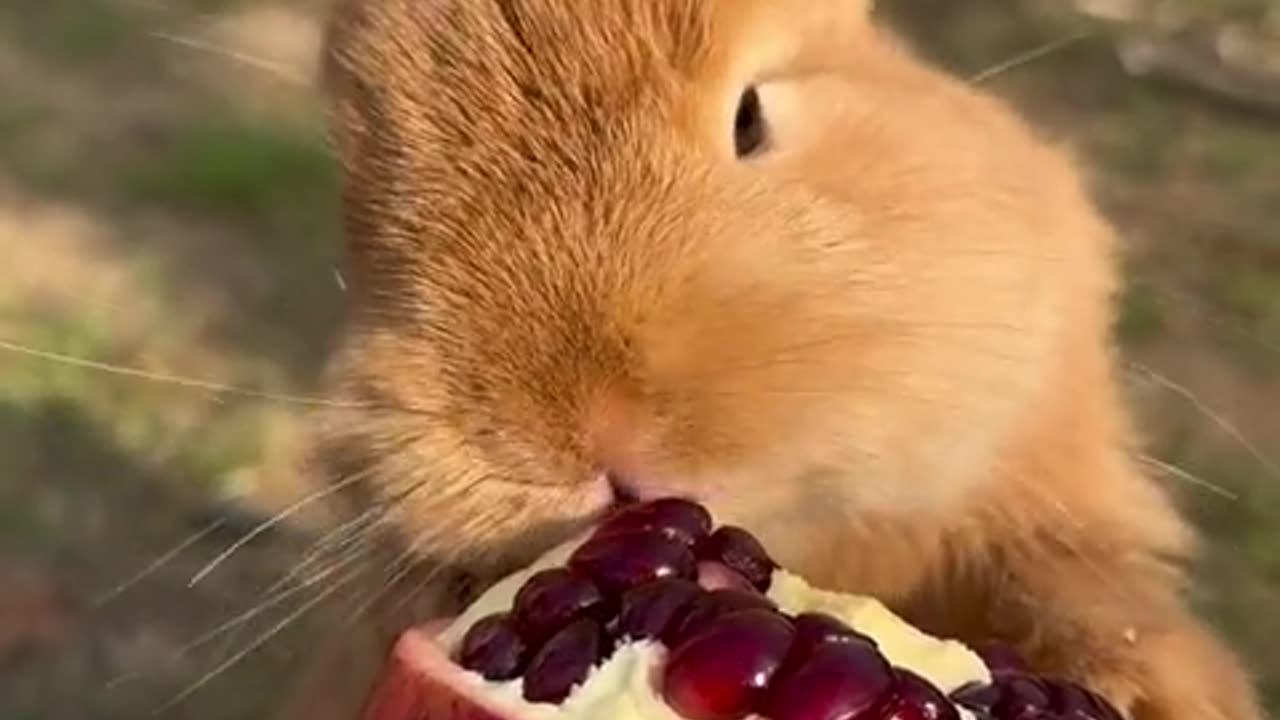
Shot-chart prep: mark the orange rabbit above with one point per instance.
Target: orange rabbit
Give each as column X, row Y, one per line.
column 754, row 252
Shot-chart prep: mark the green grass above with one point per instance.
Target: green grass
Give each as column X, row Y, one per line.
column 16, row 120
column 1253, row 292
column 237, row 168
column 29, row 381
column 271, row 183
column 78, row 503
column 103, row 472
column 1247, row 522
column 73, row 33
column 1237, row 151
column 1142, row 149
column 1244, row 9
column 1140, row 316
column 1246, row 293
column 29, row 150
column 35, row 435
column 278, row 185
column 1239, row 570
column 200, row 439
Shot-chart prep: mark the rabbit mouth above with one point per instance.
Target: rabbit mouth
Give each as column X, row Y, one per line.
column 630, row 489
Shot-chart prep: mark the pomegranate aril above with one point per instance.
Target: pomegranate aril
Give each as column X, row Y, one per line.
column 815, row 628
column 714, row 576
column 898, row 709
column 722, row 672
column 978, row 697
column 1015, row 695
column 551, row 599
column 648, row 611
column 622, row 561
column 740, row 551
column 915, row 698
column 564, row 661
column 1072, row 702
column 676, row 518
column 707, row 607
column 838, row 681
column 1021, row 696
column 493, row 648
column 1001, row 658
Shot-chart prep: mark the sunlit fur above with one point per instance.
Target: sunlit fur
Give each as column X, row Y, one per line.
column 882, row 345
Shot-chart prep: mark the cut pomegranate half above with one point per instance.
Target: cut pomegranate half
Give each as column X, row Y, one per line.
column 656, row 615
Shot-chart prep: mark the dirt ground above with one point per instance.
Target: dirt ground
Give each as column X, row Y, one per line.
column 166, row 205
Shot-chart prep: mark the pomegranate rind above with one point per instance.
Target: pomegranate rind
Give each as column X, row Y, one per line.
column 421, row 682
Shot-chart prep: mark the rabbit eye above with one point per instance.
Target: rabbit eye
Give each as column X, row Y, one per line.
column 749, row 130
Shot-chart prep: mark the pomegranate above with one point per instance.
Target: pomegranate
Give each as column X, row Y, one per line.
column 709, row 606
column 722, row 671
column 552, row 598
column 653, row 609
column 739, row 550
column 493, row 647
column 618, row 561
column 833, row 682
column 657, row 615
column 564, row 661
column 676, row 518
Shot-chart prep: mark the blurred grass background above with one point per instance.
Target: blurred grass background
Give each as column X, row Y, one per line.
column 167, row 203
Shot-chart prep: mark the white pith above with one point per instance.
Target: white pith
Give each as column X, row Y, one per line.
column 624, row 687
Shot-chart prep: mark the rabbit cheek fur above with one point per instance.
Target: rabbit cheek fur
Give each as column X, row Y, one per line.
column 880, row 341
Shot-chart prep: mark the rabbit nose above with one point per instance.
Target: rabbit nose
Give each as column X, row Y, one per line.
column 621, row 447
column 612, row 427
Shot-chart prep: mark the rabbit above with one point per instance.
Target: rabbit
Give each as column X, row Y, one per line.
column 759, row 254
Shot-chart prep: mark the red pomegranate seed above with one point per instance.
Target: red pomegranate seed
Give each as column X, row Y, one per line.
column 707, row 607
column 676, row 518
column 564, row 661
column 915, row 698
column 1001, row 658
column 814, row 629
column 648, row 611
column 739, row 550
column 839, row 681
column 621, row 561
column 493, row 648
column 714, row 576
column 552, row 598
column 1021, row 697
column 977, row 697
column 723, row 671
column 1072, row 702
